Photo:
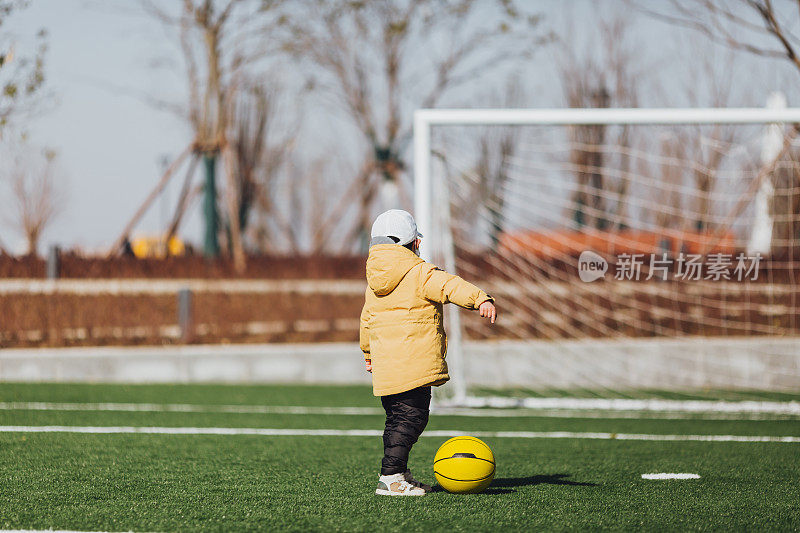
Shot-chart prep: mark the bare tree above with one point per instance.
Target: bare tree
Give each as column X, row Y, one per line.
column 225, row 51
column 36, row 198
column 495, row 153
column 672, row 148
column 605, row 74
column 295, row 204
column 263, row 141
column 378, row 60
column 710, row 83
column 693, row 154
column 748, row 25
column 487, row 182
column 760, row 27
column 21, row 74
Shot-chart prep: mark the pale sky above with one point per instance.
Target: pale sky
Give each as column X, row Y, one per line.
column 111, row 142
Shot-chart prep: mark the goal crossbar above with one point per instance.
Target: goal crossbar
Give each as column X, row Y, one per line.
column 583, row 116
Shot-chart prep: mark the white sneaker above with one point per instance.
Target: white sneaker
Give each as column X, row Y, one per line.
column 396, row 485
column 408, row 477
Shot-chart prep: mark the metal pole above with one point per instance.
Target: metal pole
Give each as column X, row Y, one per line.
column 53, row 262
column 423, row 212
column 211, row 242
column 771, row 145
column 422, row 181
column 185, row 314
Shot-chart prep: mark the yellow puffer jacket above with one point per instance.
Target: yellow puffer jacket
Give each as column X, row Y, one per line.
column 402, row 328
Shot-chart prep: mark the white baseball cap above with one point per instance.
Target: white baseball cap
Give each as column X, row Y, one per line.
column 396, row 223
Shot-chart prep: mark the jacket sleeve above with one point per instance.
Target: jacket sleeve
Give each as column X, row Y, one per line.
column 364, row 331
column 439, row 286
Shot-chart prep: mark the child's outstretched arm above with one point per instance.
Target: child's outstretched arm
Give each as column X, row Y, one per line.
column 439, row 286
column 488, row 310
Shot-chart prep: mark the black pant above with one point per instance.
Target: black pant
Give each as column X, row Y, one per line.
column 406, row 417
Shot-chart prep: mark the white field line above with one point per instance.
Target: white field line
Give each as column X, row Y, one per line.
column 670, row 476
column 190, row 408
column 621, row 404
column 665, row 410
column 47, row 531
column 272, row 432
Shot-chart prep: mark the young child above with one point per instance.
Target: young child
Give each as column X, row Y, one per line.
column 403, row 338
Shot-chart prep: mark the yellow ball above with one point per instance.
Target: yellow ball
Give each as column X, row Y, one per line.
column 464, row 465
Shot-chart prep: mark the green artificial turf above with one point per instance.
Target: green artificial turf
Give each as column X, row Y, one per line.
column 133, row 482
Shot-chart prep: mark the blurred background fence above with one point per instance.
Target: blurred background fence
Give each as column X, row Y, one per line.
column 307, row 299
column 130, row 301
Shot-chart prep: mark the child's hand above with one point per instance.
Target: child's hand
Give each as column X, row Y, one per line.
column 369, row 364
column 488, row 310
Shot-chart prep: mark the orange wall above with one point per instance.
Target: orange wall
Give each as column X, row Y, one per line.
column 562, row 242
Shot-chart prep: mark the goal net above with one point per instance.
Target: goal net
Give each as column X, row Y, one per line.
column 631, row 251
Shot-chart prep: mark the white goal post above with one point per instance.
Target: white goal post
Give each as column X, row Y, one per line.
column 425, row 185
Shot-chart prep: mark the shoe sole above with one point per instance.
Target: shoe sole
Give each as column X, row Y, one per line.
column 382, row 492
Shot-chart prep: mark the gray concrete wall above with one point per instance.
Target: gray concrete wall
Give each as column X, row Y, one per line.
column 763, row 363
column 759, row 363
column 243, row 363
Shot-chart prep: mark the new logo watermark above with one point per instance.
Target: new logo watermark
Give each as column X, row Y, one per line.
column 591, row 266
column 685, row 267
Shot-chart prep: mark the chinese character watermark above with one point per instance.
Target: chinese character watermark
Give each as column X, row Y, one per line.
column 629, row 266
column 689, row 267
column 685, row 267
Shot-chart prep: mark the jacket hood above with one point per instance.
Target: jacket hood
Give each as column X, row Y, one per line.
column 387, row 264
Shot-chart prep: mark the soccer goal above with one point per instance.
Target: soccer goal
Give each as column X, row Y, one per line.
column 631, row 251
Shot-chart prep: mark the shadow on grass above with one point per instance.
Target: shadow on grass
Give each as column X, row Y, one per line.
column 548, row 479
column 506, row 485
column 489, row 491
